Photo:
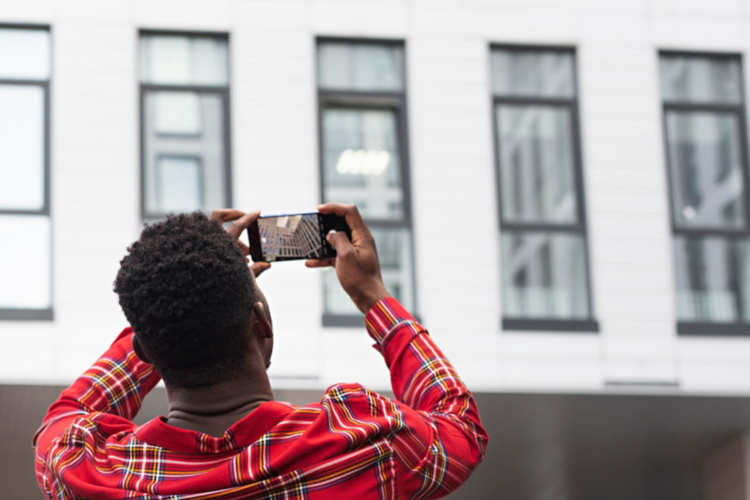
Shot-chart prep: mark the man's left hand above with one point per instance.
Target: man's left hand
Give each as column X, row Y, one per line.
column 240, row 222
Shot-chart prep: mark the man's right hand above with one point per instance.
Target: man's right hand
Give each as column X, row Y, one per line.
column 357, row 265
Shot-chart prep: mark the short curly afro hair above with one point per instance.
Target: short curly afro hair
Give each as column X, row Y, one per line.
column 187, row 292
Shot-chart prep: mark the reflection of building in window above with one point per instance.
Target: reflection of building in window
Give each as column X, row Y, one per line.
column 704, row 123
column 361, row 87
column 708, row 167
column 363, row 165
column 543, row 225
column 546, row 273
column 290, row 236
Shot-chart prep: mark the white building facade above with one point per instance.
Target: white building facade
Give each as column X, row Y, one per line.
column 605, row 123
column 559, row 191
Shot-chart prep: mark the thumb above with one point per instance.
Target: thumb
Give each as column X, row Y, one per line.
column 258, row 267
column 339, row 241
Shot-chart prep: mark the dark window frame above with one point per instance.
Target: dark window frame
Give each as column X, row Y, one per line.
column 47, row 314
column 580, row 227
column 707, row 328
column 224, row 93
column 395, row 101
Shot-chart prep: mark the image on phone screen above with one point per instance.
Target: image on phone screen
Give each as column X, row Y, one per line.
column 290, row 237
column 293, row 236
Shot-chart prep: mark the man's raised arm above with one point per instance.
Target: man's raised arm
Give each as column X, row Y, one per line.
column 440, row 438
column 115, row 385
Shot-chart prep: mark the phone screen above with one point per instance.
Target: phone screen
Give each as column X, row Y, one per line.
column 293, row 236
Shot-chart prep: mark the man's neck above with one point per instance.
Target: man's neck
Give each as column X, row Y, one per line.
column 213, row 409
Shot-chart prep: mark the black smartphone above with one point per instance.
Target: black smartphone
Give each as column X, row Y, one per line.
column 301, row 236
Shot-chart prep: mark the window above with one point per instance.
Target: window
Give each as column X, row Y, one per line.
column 364, row 158
column 25, row 228
column 185, row 153
column 540, row 186
column 705, row 132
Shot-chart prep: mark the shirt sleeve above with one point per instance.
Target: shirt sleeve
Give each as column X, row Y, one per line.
column 442, row 440
column 116, row 384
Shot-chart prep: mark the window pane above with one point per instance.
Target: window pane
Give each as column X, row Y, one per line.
column 706, row 169
column 713, row 279
column 184, row 171
column 181, row 60
column 177, row 113
column 179, row 184
column 536, row 164
column 394, row 251
column 371, row 67
column 25, row 262
column 533, row 73
column 544, row 276
column 361, row 161
column 24, row 54
column 21, row 147
column 700, row 79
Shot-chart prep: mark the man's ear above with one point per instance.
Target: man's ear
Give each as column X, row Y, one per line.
column 139, row 351
column 260, row 324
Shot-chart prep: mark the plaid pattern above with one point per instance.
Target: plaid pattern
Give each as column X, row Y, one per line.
column 355, row 443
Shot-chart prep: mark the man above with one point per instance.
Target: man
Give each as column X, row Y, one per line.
column 200, row 322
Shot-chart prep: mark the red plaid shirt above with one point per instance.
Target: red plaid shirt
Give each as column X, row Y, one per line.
column 355, row 443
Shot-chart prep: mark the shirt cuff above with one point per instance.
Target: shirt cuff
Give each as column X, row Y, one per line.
column 385, row 318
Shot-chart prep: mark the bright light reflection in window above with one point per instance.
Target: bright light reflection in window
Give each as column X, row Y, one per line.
column 363, row 162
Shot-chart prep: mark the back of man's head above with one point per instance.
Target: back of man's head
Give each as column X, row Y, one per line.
column 187, row 292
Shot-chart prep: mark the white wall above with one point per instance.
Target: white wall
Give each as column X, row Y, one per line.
column 274, row 135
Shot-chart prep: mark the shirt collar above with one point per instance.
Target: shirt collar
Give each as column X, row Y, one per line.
column 240, row 435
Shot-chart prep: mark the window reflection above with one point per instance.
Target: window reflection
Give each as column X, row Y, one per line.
column 533, row 73
column 179, row 184
column 185, row 131
column 700, row 79
column 543, row 234
column 25, row 225
column 184, row 159
column 713, row 279
column 706, row 167
column 361, row 89
column 536, row 161
column 182, row 60
column 394, row 251
column 544, row 276
column 364, row 66
column 362, row 164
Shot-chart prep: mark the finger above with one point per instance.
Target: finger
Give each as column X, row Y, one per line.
column 239, row 225
column 340, row 242
column 353, row 218
column 259, row 267
column 313, row 263
column 244, row 248
column 225, row 214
